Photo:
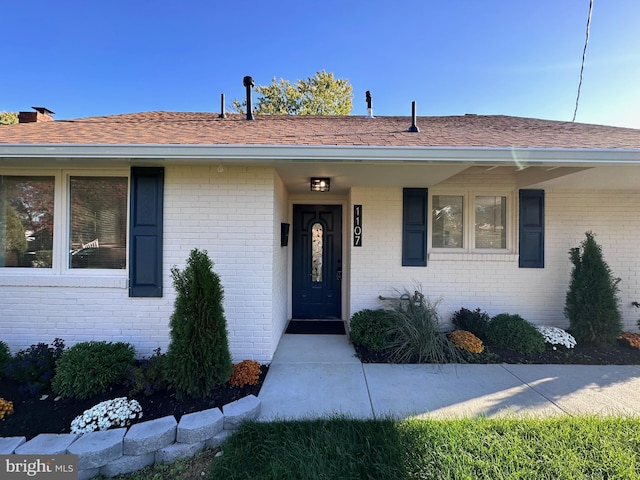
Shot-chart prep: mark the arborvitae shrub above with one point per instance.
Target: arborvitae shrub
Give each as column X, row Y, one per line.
column 198, row 356
column 475, row 321
column 512, row 332
column 370, row 329
column 591, row 304
column 90, row 368
column 5, row 358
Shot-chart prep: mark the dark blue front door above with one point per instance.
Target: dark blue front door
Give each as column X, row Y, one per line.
column 317, row 261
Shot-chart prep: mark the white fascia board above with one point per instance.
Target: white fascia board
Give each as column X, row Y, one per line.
column 305, row 153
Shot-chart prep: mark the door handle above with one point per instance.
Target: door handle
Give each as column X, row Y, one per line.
column 339, row 274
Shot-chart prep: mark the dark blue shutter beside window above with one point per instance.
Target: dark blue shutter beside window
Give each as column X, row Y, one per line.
column 531, row 229
column 145, row 245
column 414, row 227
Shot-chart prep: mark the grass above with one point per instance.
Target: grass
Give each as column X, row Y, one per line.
column 535, row 448
column 558, row 448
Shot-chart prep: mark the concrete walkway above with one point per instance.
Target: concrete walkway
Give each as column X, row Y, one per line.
column 314, row 376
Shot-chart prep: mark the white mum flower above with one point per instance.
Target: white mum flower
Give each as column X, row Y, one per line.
column 557, row 336
column 116, row 412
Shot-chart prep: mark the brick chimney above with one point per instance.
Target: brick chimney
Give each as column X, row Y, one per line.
column 41, row 114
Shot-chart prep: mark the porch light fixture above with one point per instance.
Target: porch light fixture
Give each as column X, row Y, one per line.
column 319, row 184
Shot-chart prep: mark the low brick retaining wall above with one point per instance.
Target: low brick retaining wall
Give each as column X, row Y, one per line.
column 121, row 450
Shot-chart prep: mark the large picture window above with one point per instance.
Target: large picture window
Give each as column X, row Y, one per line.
column 98, row 229
column 26, row 221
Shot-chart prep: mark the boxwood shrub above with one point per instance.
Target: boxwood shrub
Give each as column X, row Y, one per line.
column 474, row 321
column 89, row 368
column 370, row 329
column 512, row 332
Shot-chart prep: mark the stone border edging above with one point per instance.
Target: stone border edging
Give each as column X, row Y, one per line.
column 163, row 440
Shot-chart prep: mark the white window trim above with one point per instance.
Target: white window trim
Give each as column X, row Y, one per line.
column 468, row 250
column 61, row 274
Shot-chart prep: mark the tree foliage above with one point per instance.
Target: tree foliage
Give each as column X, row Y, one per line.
column 8, row 118
column 591, row 304
column 198, row 356
column 322, row 94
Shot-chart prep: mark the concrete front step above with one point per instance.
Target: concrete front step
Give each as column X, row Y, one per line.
column 150, row 436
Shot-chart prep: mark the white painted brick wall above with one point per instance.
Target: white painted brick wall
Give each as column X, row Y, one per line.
column 229, row 214
column 473, row 281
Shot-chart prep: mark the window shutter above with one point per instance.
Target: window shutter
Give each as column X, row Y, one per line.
column 145, row 245
column 414, row 227
column 531, row 229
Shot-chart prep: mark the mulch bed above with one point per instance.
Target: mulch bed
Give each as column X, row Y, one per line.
column 33, row 415
column 618, row 354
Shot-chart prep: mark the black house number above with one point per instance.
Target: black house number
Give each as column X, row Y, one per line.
column 357, row 225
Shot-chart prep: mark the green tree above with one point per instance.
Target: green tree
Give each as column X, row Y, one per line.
column 322, row 94
column 592, row 305
column 8, row 118
column 198, row 356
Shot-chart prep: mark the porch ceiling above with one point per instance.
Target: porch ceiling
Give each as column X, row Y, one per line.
column 344, row 176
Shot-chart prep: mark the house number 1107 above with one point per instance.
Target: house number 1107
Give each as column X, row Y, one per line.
column 357, row 225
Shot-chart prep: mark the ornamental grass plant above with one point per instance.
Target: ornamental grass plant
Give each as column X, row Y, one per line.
column 415, row 335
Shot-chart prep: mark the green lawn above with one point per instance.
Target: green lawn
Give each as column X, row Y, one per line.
column 558, row 448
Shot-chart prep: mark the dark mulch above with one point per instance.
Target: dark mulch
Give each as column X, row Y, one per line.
column 618, row 354
column 33, row 416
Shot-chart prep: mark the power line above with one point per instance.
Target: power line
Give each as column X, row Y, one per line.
column 584, row 55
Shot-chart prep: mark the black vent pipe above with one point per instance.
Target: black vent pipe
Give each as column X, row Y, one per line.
column 413, row 127
column 223, row 114
column 248, row 83
column 369, row 108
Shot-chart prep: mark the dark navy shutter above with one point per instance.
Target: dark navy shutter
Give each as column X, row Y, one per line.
column 414, row 227
column 531, row 229
column 145, row 242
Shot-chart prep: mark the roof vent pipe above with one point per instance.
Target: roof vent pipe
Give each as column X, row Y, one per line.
column 248, row 83
column 413, row 127
column 369, row 109
column 223, row 114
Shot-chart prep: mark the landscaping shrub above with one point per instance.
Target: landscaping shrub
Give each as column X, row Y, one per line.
column 89, row 368
column 149, row 375
column 415, row 334
column 512, row 332
column 247, row 372
column 5, row 358
column 370, row 329
column 198, row 357
column 474, row 321
column 34, row 367
column 591, row 304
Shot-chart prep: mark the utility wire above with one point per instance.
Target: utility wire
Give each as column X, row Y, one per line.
column 584, row 55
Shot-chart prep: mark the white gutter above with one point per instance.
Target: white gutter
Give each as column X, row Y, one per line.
column 341, row 154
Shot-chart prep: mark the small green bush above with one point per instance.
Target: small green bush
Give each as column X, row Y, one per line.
column 89, row 368
column 5, row 357
column 34, row 367
column 415, row 335
column 370, row 329
column 475, row 321
column 149, row 375
column 512, row 332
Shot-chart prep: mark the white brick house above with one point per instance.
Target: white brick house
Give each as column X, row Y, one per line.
column 480, row 210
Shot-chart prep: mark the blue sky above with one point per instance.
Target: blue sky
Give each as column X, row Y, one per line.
column 514, row 57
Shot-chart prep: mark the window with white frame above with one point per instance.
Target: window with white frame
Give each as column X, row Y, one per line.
column 470, row 222
column 90, row 228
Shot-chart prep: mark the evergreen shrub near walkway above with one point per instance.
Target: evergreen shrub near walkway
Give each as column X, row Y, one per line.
column 558, row 448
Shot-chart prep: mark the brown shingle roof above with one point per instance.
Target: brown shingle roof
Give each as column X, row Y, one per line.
column 171, row 128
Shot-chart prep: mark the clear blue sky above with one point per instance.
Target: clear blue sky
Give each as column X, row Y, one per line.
column 515, row 57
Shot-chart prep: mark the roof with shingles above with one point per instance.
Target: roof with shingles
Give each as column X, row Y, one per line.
column 183, row 128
